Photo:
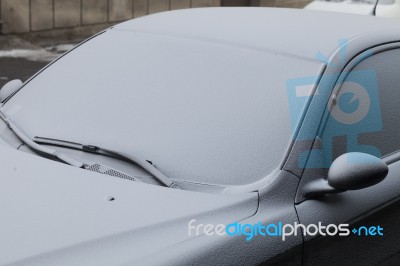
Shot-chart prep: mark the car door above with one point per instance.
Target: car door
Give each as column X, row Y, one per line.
column 364, row 117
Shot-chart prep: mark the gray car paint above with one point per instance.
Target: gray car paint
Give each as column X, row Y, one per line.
column 70, row 208
column 355, row 206
column 276, row 199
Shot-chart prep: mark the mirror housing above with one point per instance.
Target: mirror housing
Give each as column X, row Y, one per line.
column 350, row 171
column 9, row 88
column 356, row 170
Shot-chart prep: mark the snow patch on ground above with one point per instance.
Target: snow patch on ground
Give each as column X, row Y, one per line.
column 33, row 55
column 43, row 55
column 61, row 48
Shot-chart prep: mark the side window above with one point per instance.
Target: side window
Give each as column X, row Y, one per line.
column 366, row 114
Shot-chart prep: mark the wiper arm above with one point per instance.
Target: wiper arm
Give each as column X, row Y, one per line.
column 144, row 164
column 39, row 149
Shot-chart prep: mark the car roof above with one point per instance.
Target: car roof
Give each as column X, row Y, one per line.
column 294, row 32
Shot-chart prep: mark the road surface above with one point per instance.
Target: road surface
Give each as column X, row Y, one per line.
column 18, row 68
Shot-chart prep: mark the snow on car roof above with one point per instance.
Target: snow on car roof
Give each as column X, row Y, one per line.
column 301, row 33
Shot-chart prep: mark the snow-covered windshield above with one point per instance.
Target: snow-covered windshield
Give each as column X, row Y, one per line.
column 201, row 111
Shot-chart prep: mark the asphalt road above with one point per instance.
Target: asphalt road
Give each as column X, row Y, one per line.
column 18, row 68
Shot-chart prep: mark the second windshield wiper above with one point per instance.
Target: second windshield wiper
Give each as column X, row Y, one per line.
column 144, row 164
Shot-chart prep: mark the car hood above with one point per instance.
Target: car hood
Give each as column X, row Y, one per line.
column 56, row 214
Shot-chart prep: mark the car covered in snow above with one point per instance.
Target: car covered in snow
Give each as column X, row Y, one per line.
column 215, row 136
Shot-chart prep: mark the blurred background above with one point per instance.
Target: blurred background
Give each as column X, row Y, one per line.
column 85, row 16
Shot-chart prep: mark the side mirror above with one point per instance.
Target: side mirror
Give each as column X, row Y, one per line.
column 355, row 170
column 350, row 171
column 9, row 88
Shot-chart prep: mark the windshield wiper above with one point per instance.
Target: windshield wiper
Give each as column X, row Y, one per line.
column 37, row 148
column 148, row 166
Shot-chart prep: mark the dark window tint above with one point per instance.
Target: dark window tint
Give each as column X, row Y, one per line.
column 366, row 116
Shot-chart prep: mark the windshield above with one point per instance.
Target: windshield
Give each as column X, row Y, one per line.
column 202, row 111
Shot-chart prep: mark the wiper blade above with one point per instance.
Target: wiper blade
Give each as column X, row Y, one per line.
column 33, row 144
column 37, row 148
column 148, row 166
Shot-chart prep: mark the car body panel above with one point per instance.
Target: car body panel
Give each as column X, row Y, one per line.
column 164, row 244
column 49, row 207
column 276, row 205
column 306, row 42
column 373, row 206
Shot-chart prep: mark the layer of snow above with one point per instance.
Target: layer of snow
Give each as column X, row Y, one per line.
column 33, row 55
column 44, row 55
